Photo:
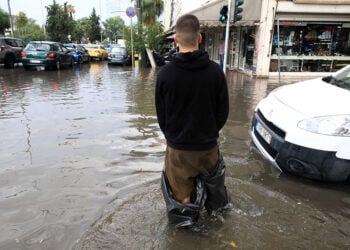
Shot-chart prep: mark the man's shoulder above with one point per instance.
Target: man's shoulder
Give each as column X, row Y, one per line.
column 165, row 68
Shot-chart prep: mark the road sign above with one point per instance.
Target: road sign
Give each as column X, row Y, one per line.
column 130, row 12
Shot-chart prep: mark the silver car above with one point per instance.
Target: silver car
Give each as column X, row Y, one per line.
column 119, row 55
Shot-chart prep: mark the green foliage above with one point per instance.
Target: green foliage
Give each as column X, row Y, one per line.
column 59, row 24
column 151, row 9
column 114, row 28
column 4, row 21
column 137, row 40
column 154, row 36
column 94, row 29
column 31, row 32
column 80, row 33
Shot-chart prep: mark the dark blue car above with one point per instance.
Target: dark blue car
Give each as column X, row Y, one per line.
column 80, row 54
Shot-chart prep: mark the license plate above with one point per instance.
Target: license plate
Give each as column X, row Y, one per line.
column 263, row 132
column 35, row 61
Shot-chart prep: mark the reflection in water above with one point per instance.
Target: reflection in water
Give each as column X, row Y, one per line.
column 91, row 180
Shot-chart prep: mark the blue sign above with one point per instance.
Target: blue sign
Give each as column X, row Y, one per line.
column 130, row 12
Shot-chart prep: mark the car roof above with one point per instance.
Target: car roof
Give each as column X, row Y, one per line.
column 48, row 42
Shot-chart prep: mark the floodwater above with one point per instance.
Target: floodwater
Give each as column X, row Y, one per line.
column 81, row 156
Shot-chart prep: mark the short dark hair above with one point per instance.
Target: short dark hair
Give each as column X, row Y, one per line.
column 187, row 30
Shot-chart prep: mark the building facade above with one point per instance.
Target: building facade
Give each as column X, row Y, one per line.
column 276, row 37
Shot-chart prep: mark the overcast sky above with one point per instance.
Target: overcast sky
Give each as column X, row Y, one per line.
column 36, row 8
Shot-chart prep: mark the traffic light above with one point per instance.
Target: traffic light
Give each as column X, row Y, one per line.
column 238, row 10
column 223, row 14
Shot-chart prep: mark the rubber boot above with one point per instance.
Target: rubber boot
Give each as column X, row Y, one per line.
column 183, row 215
column 217, row 196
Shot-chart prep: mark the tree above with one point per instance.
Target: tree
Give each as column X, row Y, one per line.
column 154, row 37
column 81, row 30
column 114, row 28
column 4, row 21
column 70, row 10
column 94, row 29
column 27, row 29
column 151, row 10
column 59, row 24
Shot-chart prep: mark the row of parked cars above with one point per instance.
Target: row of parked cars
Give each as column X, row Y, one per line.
column 54, row 55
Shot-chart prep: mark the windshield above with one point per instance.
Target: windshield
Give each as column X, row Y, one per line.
column 341, row 78
column 91, row 46
column 38, row 46
column 120, row 50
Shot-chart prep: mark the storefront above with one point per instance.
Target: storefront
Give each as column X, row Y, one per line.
column 310, row 46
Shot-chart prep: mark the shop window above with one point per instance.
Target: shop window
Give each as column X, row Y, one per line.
column 310, row 47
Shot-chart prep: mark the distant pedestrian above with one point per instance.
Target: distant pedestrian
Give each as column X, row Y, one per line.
column 222, row 52
column 192, row 107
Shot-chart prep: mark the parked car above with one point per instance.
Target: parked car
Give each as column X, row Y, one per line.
column 304, row 128
column 46, row 54
column 10, row 51
column 80, row 54
column 96, row 51
column 119, row 55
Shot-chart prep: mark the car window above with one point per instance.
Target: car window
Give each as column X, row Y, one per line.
column 92, row 46
column 10, row 42
column 119, row 50
column 64, row 49
column 38, row 46
column 20, row 43
column 55, row 48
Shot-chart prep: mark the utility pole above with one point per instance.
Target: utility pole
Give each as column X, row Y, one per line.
column 11, row 20
column 227, row 33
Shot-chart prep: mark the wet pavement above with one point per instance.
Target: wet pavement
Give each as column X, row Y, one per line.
column 81, row 156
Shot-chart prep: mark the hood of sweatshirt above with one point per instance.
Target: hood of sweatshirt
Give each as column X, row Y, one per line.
column 192, row 60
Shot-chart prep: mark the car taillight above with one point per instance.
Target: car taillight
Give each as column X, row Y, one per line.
column 1, row 49
column 51, row 55
column 23, row 54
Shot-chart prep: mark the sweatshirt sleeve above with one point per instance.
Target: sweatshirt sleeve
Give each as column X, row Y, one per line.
column 160, row 104
column 223, row 104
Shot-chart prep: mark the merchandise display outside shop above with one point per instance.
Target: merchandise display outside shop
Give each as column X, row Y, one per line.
column 310, row 47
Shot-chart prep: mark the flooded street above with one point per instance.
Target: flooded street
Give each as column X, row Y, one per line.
column 80, row 160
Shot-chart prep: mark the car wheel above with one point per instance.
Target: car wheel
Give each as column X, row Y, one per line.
column 9, row 62
column 26, row 67
column 72, row 62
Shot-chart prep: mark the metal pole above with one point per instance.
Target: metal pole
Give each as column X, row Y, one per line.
column 227, row 34
column 132, row 44
column 11, row 20
column 278, row 49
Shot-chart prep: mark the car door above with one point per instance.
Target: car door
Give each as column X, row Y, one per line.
column 20, row 46
column 65, row 54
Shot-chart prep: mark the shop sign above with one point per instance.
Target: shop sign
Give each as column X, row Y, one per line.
column 292, row 23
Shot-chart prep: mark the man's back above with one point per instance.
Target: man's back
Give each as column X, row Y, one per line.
column 194, row 93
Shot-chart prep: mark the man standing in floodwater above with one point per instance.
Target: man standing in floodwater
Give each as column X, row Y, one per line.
column 192, row 107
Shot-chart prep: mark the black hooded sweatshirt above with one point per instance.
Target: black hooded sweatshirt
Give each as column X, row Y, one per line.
column 191, row 101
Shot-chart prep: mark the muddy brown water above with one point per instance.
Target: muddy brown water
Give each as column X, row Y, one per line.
column 81, row 156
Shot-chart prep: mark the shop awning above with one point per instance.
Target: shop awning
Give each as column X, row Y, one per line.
column 208, row 15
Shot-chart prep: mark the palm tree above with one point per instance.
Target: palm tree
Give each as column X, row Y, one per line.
column 70, row 10
column 151, row 9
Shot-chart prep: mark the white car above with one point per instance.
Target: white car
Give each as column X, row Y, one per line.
column 304, row 128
